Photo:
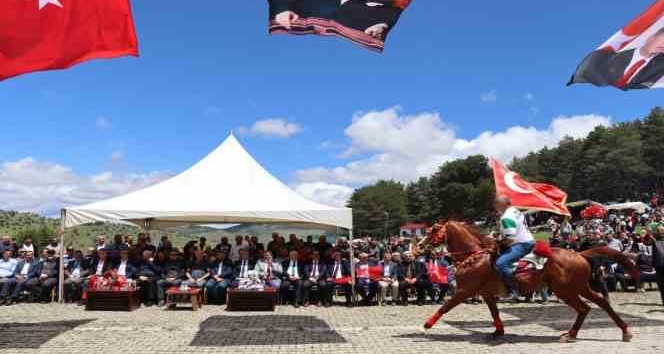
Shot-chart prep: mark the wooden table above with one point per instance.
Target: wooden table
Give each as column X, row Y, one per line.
column 252, row 300
column 107, row 300
column 193, row 296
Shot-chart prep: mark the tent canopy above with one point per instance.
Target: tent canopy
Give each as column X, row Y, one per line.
column 639, row 207
column 227, row 186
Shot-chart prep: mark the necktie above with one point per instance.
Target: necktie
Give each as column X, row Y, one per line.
column 269, row 271
column 221, row 268
column 314, row 270
column 244, row 269
column 336, row 270
column 630, row 72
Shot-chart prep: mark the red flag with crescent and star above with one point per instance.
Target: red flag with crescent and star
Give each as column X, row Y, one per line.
column 526, row 195
column 38, row 35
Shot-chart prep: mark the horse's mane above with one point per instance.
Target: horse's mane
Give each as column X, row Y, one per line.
column 484, row 240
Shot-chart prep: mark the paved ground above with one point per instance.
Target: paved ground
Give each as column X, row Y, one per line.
column 532, row 328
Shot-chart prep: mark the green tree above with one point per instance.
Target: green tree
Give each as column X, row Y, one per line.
column 652, row 133
column 371, row 203
column 462, row 189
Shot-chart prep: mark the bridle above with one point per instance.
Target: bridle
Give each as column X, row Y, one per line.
column 438, row 236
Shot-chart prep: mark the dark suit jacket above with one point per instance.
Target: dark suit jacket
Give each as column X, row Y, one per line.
column 300, row 269
column 658, row 253
column 603, row 67
column 323, row 271
column 345, row 269
column 108, row 265
column 33, row 271
column 238, row 264
column 130, row 269
column 148, row 269
column 417, row 270
column 226, row 272
column 85, row 271
column 394, row 269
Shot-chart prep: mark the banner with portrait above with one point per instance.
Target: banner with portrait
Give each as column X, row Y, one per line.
column 633, row 58
column 366, row 22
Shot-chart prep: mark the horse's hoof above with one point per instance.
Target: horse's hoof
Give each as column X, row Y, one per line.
column 497, row 334
column 567, row 338
column 428, row 326
column 627, row 336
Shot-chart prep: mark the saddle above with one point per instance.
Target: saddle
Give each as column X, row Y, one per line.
column 530, row 263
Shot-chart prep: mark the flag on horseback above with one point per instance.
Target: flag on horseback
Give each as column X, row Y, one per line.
column 527, row 195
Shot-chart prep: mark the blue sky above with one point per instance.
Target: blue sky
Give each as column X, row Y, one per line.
column 209, row 67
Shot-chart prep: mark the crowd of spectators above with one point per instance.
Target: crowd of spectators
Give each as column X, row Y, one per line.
column 307, row 271
column 640, row 236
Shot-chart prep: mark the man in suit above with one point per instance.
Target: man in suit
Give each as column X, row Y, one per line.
column 636, row 68
column 293, row 277
column 243, row 265
column 339, row 275
column 148, row 273
column 388, row 278
column 316, row 274
column 26, row 276
column 221, row 277
column 285, row 12
column 270, row 271
column 7, row 273
column 658, row 260
column 124, row 267
column 101, row 264
column 48, row 276
column 171, row 276
column 75, row 274
column 414, row 276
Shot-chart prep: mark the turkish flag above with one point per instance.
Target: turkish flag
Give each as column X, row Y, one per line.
column 526, row 195
column 57, row 34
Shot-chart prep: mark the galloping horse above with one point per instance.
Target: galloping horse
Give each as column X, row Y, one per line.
column 566, row 273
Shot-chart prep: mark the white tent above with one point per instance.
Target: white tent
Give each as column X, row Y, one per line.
column 227, row 186
column 639, row 207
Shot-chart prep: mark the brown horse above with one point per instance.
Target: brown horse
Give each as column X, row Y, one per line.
column 566, row 273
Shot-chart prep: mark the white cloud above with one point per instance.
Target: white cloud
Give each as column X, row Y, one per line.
column 103, row 123
column 274, row 127
column 405, row 148
column 326, row 193
column 45, row 188
column 529, row 96
column 491, row 96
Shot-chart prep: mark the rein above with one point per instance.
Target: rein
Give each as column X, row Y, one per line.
column 459, row 258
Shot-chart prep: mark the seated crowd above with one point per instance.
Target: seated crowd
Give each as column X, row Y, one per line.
column 304, row 272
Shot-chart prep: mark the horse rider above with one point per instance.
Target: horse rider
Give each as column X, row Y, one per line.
column 518, row 239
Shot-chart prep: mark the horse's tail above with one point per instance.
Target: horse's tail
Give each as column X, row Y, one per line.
column 615, row 256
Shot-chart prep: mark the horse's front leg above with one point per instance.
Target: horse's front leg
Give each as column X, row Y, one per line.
column 495, row 314
column 458, row 298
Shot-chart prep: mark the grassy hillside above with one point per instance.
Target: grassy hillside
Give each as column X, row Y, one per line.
column 21, row 225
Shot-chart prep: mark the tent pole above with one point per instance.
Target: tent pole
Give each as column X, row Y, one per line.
column 352, row 260
column 61, row 266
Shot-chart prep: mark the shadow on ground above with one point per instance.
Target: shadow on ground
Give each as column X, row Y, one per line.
column 559, row 318
column 223, row 331
column 474, row 337
column 34, row 335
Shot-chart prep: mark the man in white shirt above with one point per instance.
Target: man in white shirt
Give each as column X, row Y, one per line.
column 516, row 234
column 7, row 269
column 339, row 275
column 293, row 274
column 26, row 276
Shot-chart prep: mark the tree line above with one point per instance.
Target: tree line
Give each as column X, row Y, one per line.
column 623, row 162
